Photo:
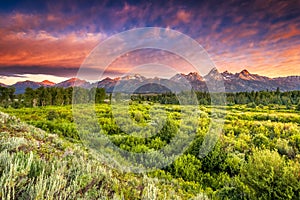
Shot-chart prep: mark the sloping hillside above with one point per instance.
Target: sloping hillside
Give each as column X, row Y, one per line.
column 38, row 165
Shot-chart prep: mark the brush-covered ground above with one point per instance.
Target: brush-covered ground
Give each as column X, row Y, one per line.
column 256, row 156
column 35, row 164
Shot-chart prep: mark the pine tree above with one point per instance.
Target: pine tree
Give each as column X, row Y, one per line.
column 298, row 106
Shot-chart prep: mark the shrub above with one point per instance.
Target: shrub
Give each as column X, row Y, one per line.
column 298, row 107
column 269, row 176
column 251, row 105
column 52, row 114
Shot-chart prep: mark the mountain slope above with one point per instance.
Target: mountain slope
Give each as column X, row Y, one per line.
column 73, row 82
column 22, row 85
column 107, row 83
column 245, row 81
column 47, row 83
column 193, row 80
column 233, row 82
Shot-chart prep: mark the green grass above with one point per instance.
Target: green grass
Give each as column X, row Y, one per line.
column 35, row 164
column 53, row 161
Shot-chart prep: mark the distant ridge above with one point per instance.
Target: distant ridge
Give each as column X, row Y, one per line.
column 233, row 82
column 22, row 85
column 73, row 82
column 47, row 83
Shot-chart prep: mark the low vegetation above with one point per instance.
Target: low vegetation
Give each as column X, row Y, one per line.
column 35, row 164
column 256, row 155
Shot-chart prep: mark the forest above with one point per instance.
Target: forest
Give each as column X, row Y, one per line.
column 256, row 155
column 45, row 96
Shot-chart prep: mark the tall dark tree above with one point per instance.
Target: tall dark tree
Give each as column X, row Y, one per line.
column 29, row 97
column 298, row 106
column 100, row 95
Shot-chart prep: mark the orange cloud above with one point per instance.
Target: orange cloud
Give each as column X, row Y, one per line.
column 183, row 16
column 262, row 36
column 44, row 49
column 282, row 32
column 139, row 58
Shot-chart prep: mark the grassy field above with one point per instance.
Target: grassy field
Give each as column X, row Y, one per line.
column 256, row 156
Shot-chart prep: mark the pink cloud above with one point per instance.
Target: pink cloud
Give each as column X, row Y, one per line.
column 183, row 16
column 44, row 49
column 239, row 41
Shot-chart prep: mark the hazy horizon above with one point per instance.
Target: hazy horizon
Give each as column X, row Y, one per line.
column 54, row 79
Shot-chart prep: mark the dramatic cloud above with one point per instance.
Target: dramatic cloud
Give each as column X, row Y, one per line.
column 43, row 49
column 55, row 37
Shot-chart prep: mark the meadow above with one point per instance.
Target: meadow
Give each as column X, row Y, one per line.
column 256, row 155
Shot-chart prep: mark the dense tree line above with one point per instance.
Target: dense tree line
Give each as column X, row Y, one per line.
column 265, row 98
column 6, row 95
column 262, row 98
column 44, row 96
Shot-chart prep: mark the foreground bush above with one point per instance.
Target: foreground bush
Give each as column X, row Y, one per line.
column 38, row 165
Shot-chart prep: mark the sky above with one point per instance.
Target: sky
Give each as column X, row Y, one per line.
column 51, row 39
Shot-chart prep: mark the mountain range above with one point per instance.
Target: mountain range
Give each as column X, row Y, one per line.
column 233, row 82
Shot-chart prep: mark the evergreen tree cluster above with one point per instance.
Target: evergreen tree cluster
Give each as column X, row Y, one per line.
column 44, row 96
column 260, row 98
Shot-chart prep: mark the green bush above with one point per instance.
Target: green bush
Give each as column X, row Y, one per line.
column 269, row 176
column 298, row 107
column 242, row 164
column 52, row 114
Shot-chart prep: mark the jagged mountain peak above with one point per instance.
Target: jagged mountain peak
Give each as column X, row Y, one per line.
column 195, row 74
column 133, row 77
column 245, row 72
column 214, row 75
column 213, row 71
column 47, row 83
column 237, row 82
column 107, row 79
column 22, row 85
column 73, row 79
column 26, row 81
column 192, row 76
column 246, row 75
column 73, row 82
column 227, row 75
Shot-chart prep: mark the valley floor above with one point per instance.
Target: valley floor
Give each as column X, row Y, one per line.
column 256, row 155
